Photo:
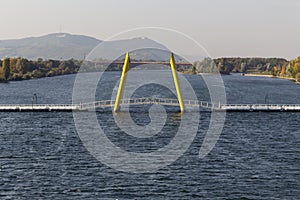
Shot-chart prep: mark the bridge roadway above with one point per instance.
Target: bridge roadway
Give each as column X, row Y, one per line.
column 190, row 104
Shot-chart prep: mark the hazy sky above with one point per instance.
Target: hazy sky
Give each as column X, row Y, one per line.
column 224, row 27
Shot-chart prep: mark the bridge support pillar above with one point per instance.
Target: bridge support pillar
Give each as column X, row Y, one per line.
column 176, row 81
column 124, row 78
column 122, row 82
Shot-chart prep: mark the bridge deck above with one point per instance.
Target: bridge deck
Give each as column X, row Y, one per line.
column 261, row 107
column 148, row 101
column 38, row 107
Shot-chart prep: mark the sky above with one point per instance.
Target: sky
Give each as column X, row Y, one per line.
column 225, row 28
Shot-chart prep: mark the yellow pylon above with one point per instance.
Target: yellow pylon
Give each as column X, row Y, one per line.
column 124, row 78
column 176, row 81
column 122, row 82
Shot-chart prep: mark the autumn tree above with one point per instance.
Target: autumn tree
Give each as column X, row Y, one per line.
column 283, row 71
column 294, row 67
column 297, row 67
column 297, row 77
column 275, row 71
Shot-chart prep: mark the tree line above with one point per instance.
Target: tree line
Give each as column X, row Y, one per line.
column 243, row 65
column 273, row 66
column 13, row 69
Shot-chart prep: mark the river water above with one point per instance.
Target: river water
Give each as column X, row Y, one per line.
column 256, row 156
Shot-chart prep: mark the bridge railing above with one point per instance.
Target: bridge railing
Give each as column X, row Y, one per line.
column 263, row 105
column 38, row 105
column 148, row 100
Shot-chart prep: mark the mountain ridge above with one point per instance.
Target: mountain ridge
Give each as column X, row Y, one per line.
column 64, row 46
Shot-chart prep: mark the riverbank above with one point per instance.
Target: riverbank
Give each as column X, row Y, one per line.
column 259, row 75
column 271, row 76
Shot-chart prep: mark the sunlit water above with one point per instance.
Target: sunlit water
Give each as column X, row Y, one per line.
column 256, row 157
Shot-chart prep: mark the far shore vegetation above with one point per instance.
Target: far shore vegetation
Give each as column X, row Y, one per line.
column 275, row 67
column 16, row 69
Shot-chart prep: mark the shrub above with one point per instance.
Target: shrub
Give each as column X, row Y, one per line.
column 297, row 77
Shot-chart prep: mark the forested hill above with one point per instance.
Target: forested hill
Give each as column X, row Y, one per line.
column 58, row 46
column 65, row 46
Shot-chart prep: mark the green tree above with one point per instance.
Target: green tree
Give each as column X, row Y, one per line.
column 243, row 67
column 6, row 68
column 12, row 65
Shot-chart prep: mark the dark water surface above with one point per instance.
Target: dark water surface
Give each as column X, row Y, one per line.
column 256, row 157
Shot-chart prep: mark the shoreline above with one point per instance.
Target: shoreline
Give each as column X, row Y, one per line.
column 271, row 76
column 259, row 75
